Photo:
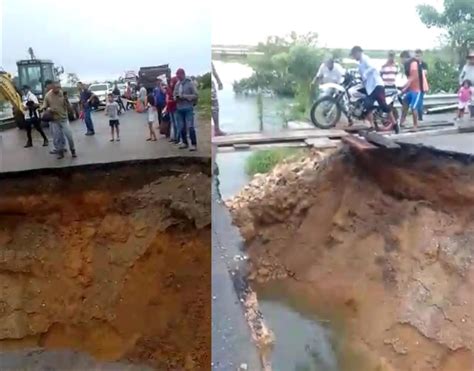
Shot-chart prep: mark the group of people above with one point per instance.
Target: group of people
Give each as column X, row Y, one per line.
column 172, row 102
column 376, row 82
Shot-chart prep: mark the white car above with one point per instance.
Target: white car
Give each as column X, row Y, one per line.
column 101, row 91
column 122, row 88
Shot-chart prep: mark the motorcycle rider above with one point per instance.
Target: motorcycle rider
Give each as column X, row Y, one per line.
column 374, row 85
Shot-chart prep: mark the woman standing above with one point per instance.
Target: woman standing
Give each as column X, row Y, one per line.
column 171, row 109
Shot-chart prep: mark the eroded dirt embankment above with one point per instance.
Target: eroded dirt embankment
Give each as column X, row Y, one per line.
column 385, row 240
column 115, row 263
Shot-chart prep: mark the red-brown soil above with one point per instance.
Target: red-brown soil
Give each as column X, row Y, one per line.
column 384, row 240
column 113, row 263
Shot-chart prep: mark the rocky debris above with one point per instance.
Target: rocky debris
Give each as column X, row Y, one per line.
column 405, row 259
column 261, row 335
column 274, row 197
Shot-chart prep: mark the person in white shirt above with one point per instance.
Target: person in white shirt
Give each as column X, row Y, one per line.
column 329, row 71
column 374, row 86
column 31, row 105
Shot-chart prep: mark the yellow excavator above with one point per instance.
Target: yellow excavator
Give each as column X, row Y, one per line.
column 34, row 73
column 9, row 93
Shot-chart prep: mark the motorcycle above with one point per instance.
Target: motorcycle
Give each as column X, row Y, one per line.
column 349, row 98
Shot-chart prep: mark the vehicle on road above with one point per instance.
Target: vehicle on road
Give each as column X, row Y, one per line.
column 147, row 76
column 34, row 73
column 349, row 98
column 101, row 91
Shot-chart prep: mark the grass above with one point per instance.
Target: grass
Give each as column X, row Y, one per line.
column 204, row 102
column 264, row 161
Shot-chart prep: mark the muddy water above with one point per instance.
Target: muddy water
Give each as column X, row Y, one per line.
column 304, row 340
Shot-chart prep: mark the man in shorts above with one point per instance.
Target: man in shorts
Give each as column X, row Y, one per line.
column 112, row 109
column 415, row 88
column 374, row 85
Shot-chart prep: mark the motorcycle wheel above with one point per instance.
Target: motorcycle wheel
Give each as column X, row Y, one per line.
column 327, row 104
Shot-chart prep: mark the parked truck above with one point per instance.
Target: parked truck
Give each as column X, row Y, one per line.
column 147, row 76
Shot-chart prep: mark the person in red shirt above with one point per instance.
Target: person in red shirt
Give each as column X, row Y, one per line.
column 415, row 88
column 171, row 109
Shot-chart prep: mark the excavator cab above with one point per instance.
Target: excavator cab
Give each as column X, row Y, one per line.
column 34, row 73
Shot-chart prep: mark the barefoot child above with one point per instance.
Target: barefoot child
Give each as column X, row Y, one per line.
column 112, row 110
column 464, row 96
column 152, row 117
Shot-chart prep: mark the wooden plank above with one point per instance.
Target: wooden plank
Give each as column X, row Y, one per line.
column 281, row 136
column 380, row 140
column 322, row 143
column 358, row 143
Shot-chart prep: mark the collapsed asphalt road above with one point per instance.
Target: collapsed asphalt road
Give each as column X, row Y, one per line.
column 106, row 261
column 383, row 240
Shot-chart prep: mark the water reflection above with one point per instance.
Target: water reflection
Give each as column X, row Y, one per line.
column 239, row 113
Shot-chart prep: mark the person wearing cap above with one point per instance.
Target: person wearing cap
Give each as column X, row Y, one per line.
column 374, row 85
column 31, row 105
column 329, row 71
column 467, row 73
column 185, row 95
column 55, row 106
column 415, row 88
column 389, row 71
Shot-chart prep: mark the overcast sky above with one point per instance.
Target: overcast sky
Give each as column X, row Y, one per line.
column 99, row 39
column 373, row 24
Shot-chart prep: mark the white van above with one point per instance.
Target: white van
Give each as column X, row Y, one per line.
column 101, row 91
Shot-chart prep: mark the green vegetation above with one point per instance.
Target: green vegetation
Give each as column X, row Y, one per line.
column 204, row 102
column 261, row 162
column 285, row 68
column 457, row 19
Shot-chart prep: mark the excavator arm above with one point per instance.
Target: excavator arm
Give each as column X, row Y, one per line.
column 9, row 93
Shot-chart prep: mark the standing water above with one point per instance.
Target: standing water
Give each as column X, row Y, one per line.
column 239, row 112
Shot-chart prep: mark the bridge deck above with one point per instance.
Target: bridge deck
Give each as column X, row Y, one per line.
column 276, row 137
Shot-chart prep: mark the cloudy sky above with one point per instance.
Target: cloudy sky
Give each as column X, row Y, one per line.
column 373, row 24
column 100, row 39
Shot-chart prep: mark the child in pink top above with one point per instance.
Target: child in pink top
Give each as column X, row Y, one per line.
column 465, row 96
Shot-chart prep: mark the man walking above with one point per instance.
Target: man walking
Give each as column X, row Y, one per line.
column 415, row 88
column 185, row 95
column 467, row 73
column 31, row 105
column 389, row 71
column 215, row 101
column 374, row 86
column 86, row 104
column 55, row 106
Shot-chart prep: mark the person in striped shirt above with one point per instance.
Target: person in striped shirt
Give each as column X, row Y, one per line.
column 389, row 71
